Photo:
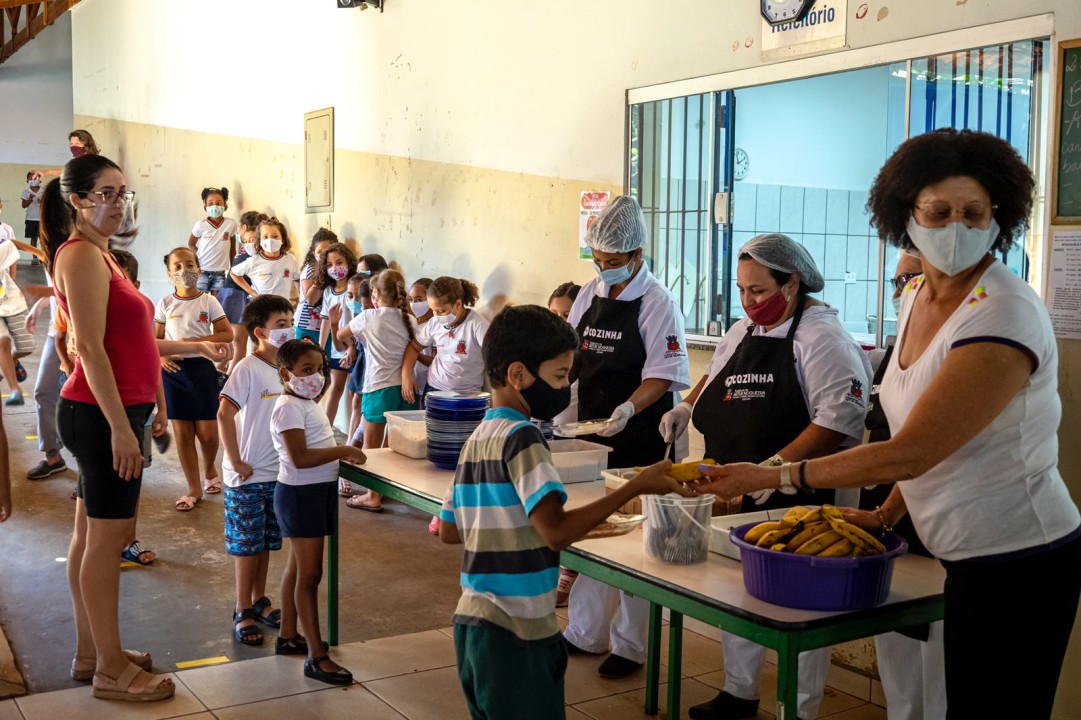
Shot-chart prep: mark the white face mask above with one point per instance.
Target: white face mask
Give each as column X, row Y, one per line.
column 954, row 248
column 270, row 245
column 420, row 308
column 448, row 319
column 215, row 211
column 249, row 248
column 279, row 336
column 307, row 387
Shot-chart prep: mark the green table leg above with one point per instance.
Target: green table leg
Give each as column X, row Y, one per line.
column 675, row 662
column 787, row 679
column 653, row 658
column 332, row 589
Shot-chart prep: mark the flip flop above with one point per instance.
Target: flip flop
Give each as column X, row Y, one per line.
column 160, row 687
column 142, row 659
column 135, row 552
column 361, row 506
column 212, row 486
column 273, row 619
column 187, row 503
column 345, row 488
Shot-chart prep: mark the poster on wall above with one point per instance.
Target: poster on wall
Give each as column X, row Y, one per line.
column 823, row 27
column 1064, row 284
column 589, row 207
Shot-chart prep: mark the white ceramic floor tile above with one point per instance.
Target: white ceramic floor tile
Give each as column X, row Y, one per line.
column 80, row 703
column 9, row 710
column 249, row 681
column 345, row 703
column 392, row 656
column 423, row 696
column 582, row 682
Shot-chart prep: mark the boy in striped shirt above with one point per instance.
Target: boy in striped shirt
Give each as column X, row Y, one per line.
column 506, row 506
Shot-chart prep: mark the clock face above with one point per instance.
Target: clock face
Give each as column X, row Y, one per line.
column 782, row 11
column 741, row 165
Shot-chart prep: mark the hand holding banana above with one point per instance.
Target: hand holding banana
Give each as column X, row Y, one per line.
column 822, row 532
column 729, row 481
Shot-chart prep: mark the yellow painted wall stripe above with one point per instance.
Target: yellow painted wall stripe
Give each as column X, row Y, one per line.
column 201, row 663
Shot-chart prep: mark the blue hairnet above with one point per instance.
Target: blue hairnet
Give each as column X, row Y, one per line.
column 620, row 228
column 782, row 253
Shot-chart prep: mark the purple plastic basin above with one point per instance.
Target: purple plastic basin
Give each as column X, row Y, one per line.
column 813, row 583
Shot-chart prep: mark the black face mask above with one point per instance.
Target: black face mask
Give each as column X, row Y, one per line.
column 545, row 401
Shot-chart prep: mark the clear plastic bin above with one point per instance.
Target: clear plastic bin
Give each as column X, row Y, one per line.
column 579, row 460
column 677, row 529
column 407, row 433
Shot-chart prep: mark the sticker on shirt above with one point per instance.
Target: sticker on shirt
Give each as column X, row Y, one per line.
column 592, row 340
column 855, row 393
column 672, row 348
column 980, row 293
column 746, row 393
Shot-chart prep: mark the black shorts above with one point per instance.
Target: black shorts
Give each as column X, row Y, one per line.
column 33, row 229
column 86, row 433
column 307, row 511
column 191, row 393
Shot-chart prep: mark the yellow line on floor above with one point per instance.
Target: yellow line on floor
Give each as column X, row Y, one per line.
column 31, row 437
column 201, row 663
column 128, row 563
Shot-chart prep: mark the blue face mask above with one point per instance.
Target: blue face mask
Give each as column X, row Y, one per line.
column 614, row 276
column 355, row 306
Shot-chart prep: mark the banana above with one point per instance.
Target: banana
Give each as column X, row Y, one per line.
column 795, row 514
column 688, row 471
column 773, row 537
column 812, row 516
column 808, row 532
column 832, row 513
column 819, row 543
column 779, row 547
column 859, row 537
column 755, row 534
column 842, row 548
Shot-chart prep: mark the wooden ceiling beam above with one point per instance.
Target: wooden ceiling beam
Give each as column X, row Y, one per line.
column 39, row 15
column 7, row 4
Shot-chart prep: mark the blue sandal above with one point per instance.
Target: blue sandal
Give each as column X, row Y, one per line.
column 247, row 635
column 274, row 619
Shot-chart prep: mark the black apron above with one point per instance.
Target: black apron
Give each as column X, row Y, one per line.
column 754, row 407
column 608, row 368
column 878, row 431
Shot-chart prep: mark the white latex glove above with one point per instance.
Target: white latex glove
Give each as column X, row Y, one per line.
column 620, row 416
column 761, row 496
column 674, row 422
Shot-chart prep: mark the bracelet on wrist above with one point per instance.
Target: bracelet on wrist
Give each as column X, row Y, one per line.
column 803, row 474
column 886, row 527
column 786, row 475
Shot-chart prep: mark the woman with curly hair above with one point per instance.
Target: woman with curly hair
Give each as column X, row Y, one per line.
column 971, row 395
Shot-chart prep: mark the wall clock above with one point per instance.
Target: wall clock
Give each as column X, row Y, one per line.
column 741, row 164
column 783, row 11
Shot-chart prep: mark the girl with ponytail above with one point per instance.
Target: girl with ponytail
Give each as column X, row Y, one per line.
column 386, row 331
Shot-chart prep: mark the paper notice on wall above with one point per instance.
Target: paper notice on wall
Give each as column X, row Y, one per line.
column 823, row 27
column 1064, row 284
column 589, row 207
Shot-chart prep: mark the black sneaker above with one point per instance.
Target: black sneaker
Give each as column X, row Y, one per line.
column 43, row 470
column 724, row 707
column 616, row 666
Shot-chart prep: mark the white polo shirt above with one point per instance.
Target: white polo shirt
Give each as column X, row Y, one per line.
column 253, row 387
column 185, row 318
column 294, row 413
column 270, row 277
column 459, row 362
column 212, row 243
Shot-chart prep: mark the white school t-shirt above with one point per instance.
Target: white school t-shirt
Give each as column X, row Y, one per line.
column 212, row 243
column 833, row 370
column 12, row 301
column 253, row 387
column 459, row 361
column 1002, row 490
column 385, row 340
column 185, row 318
column 33, row 210
column 294, row 413
column 332, row 299
column 270, row 277
column 307, row 316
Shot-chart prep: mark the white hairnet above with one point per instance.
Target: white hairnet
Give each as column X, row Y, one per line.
column 620, row 228
column 782, row 253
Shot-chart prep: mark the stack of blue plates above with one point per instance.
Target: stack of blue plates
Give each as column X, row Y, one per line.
column 451, row 418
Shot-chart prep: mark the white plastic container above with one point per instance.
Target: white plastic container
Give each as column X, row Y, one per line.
column 579, row 460
column 407, row 433
column 677, row 529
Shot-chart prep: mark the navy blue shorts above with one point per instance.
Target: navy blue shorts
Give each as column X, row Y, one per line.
column 191, row 393
column 355, row 383
column 233, row 301
column 307, row 511
column 251, row 526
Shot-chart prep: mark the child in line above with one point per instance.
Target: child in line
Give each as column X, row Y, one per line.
column 214, row 240
column 273, row 270
column 15, row 341
column 368, row 265
column 333, row 273
column 359, row 295
column 232, row 298
column 250, row 465
column 305, row 501
column 31, row 202
column 456, row 332
column 510, row 655
column 418, row 304
column 191, row 381
column 388, row 330
column 307, row 320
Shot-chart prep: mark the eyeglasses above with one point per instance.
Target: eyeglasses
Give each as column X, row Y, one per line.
column 941, row 212
column 903, row 279
column 112, row 197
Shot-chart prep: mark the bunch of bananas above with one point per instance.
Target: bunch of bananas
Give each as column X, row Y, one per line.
column 821, row 532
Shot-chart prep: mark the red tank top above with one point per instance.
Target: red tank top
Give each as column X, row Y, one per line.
column 129, row 342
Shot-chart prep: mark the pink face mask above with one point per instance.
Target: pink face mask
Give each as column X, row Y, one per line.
column 307, row 387
column 769, row 311
column 338, row 272
column 77, row 151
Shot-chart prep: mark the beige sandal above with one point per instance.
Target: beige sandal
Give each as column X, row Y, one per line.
column 142, row 659
column 160, row 687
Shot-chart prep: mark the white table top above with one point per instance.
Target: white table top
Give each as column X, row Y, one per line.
column 719, row 578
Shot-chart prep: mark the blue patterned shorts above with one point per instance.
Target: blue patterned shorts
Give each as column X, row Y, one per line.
column 250, row 523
